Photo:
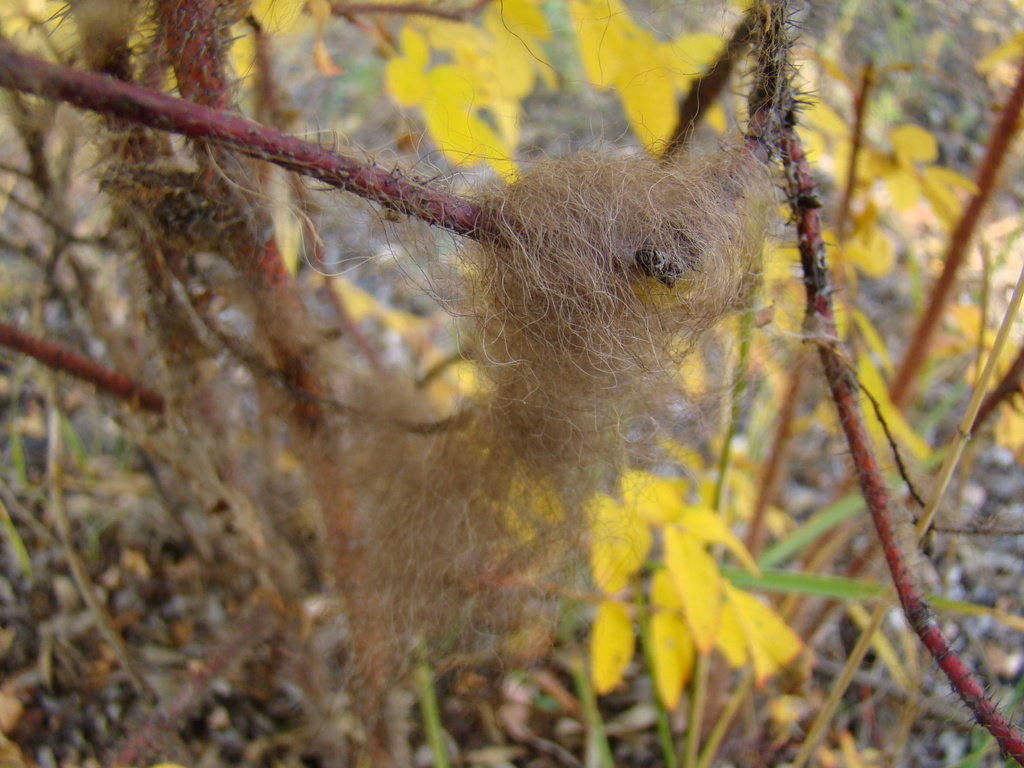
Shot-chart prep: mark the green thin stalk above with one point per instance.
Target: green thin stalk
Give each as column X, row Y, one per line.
column 597, row 739
column 431, row 714
column 739, row 388
column 725, row 719
column 963, row 434
column 661, row 714
column 698, row 690
column 698, row 700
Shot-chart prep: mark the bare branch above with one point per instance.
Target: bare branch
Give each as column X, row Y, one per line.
column 706, row 90
column 61, row 359
column 998, row 145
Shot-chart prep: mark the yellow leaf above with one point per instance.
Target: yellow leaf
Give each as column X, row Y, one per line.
column 707, row 525
column 673, row 651
column 671, row 644
column 243, row 52
column 731, row 640
column 278, row 16
column 870, row 250
column 611, row 645
column 455, row 125
column 1009, row 431
column 697, row 50
column 968, row 320
column 406, row 82
column 620, row 543
column 872, row 339
column 507, row 114
column 35, row 27
column 415, row 47
column 452, row 86
column 914, row 143
column 405, row 75
column 646, row 91
column 508, row 69
column 600, row 25
column 656, row 499
column 523, row 17
column 698, row 583
column 904, row 188
column 836, row 71
column 898, row 426
column 771, row 643
column 716, row 118
column 456, row 37
column 287, row 231
column 663, row 592
column 821, row 116
column 361, row 305
column 1011, row 49
column 940, row 186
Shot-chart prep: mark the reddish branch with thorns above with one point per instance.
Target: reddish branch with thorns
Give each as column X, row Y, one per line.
column 773, row 124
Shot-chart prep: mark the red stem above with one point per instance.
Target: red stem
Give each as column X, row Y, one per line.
column 62, row 359
column 193, row 36
column 843, row 386
column 88, row 90
column 860, row 104
column 708, row 87
column 998, row 145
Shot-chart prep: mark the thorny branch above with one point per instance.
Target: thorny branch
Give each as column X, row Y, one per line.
column 98, row 93
column 773, row 128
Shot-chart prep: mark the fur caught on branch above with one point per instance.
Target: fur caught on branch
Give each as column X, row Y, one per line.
column 602, row 275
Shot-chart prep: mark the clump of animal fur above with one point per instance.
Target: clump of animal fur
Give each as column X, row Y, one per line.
column 600, row 276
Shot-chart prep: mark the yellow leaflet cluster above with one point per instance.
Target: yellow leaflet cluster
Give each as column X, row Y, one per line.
column 894, row 178
column 35, row 26
column 694, row 609
column 646, row 74
column 470, row 80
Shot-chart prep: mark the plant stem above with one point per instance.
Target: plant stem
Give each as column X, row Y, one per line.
column 597, row 740
column 61, row 359
column 772, row 130
column 431, row 714
column 664, row 731
column 725, row 719
column 959, row 241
